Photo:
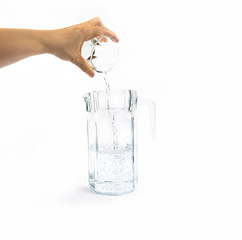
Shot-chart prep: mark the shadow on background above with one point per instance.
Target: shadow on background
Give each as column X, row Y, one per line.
column 84, row 195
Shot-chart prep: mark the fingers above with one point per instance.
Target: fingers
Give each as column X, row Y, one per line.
column 101, row 31
column 94, row 22
column 102, row 39
column 84, row 66
column 90, row 29
column 97, row 29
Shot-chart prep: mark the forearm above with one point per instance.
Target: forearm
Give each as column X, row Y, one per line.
column 17, row 44
column 65, row 43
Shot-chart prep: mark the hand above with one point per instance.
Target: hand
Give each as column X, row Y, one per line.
column 67, row 43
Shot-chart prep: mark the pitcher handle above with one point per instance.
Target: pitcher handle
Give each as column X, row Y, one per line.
column 152, row 111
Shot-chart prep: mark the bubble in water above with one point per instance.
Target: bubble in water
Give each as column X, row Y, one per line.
column 114, row 172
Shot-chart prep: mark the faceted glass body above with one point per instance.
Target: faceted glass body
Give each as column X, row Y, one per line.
column 111, row 130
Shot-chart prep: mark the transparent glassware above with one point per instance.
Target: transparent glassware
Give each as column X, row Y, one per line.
column 112, row 142
column 103, row 54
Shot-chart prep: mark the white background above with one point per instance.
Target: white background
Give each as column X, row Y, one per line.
column 185, row 55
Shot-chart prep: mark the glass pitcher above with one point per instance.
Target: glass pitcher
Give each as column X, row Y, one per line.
column 112, row 144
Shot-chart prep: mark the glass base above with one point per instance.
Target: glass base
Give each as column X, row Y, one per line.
column 110, row 188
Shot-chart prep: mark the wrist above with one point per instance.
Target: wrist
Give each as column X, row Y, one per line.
column 47, row 40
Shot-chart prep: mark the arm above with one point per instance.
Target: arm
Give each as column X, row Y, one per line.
column 66, row 43
column 17, row 44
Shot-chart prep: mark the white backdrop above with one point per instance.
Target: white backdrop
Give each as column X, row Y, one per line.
column 186, row 56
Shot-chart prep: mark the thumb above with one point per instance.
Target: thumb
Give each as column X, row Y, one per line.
column 84, row 66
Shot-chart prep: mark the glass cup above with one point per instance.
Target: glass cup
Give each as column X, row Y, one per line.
column 103, row 54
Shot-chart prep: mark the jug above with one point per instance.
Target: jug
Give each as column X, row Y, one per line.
column 112, row 143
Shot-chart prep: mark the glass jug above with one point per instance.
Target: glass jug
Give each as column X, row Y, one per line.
column 112, row 144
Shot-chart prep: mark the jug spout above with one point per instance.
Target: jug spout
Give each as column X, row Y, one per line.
column 87, row 101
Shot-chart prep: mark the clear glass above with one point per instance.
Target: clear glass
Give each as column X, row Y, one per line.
column 103, row 54
column 112, row 148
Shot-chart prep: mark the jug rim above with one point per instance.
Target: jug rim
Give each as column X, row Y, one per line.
column 114, row 99
column 110, row 91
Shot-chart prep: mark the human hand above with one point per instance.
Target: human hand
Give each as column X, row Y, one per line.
column 67, row 43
